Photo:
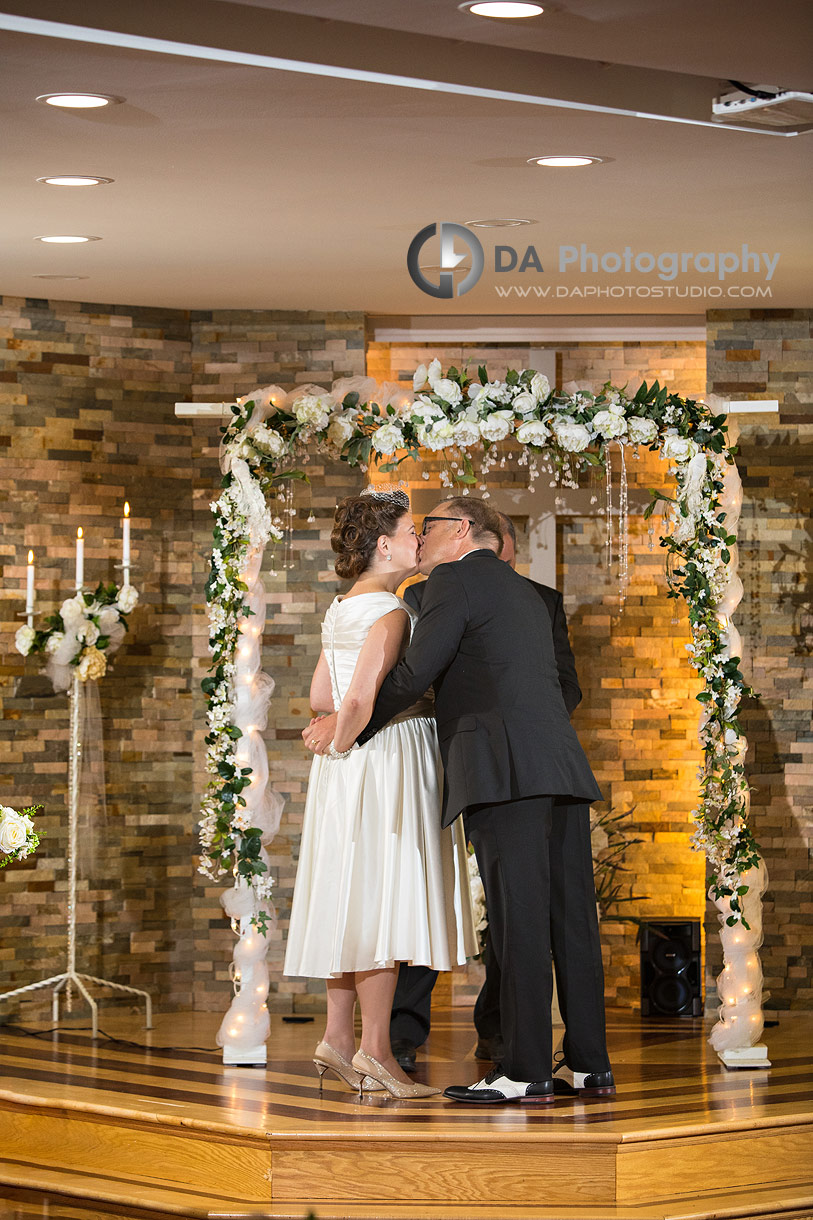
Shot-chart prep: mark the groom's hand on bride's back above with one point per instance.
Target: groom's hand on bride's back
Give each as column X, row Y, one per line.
column 320, row 732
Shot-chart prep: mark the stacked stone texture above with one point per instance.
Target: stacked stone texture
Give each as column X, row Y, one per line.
column 88, row 394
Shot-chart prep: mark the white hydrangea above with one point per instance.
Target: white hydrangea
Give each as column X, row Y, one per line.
column 127, row 599
column 24, row 639
column 388, row 439
column 540, row 387
column 533, row 432
column 313, row 411
column 676, row 448
column 641, row 429
column 269, row 440
column 609, row 424
column 571, row 436
column 497, row 425
column 448, row 390
column 466, row 433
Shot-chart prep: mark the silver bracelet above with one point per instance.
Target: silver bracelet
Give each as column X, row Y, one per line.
column 332, row 752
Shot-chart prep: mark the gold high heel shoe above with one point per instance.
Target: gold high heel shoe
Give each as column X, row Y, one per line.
column 370, row 1069
column 327, row 1059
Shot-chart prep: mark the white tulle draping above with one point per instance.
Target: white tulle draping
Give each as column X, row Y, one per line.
column 739, row 984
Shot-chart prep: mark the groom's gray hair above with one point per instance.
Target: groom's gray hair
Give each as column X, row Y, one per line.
column 486, row 527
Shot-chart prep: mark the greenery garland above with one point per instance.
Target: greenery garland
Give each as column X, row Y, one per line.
column 568, row 433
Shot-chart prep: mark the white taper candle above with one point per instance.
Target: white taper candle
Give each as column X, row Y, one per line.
column 80, row 559
column 29, row 591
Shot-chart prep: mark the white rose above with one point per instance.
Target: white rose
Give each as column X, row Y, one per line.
column 73, row 611
column 312, row 410
column 54, row 642
column 127, row 599
column 641, row 429
column 24, row 639
column 14, row 830
column 436, row 435
column 448, row 390
column 88, row 632
column 677, row 448
column 570, row 435
column 540, row 387
column 534, row 432
column 466, row 433
column 419, row 378
column 108, row 617
column 268, row 439
column 525, row 403
column 340, row 429
column 609, row 423
column 433, row 373
column 388, row 438
column 497, row 425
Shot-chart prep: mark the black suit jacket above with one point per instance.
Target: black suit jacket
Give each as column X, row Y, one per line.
column 565, row 661
column 484, row 641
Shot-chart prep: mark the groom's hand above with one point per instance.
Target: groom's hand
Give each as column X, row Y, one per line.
column 320, row 732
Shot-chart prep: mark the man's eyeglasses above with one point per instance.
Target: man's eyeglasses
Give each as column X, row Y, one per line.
column 426, row 521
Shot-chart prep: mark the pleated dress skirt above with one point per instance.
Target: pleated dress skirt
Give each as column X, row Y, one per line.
column 379, row 882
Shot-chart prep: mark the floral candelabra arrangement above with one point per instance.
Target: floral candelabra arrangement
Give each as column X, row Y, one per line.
column 18, row 838
column 88, row 628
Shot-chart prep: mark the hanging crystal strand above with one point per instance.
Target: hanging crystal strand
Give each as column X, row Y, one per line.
column 608, row 505
column 289, row 524
column 623, row 533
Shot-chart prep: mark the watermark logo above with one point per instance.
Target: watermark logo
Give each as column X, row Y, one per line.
column 447, row 230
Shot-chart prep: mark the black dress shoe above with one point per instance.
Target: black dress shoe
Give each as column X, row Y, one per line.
column 582, row 1084
column 495, row 1089
column 404, row 1054
column 490, row 1050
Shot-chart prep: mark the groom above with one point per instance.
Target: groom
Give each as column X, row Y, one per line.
column 516, row 771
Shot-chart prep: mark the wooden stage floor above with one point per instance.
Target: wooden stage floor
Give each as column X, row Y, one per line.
column 115, row 1129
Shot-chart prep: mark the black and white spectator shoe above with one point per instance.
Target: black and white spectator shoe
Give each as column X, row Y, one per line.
column 581, row 1084
column 495, row 1089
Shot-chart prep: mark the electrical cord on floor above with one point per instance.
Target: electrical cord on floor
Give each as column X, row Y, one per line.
column 83, row 1029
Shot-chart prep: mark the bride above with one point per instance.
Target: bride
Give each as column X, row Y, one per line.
column 378, row 881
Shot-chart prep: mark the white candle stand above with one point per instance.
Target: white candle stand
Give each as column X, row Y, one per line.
column 70, row 977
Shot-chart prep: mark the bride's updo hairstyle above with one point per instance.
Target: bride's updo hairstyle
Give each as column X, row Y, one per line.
column 359, row 522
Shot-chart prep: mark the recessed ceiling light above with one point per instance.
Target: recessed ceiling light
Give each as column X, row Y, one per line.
column 66, row 239
column 79, row 101
column 566, row 162
column 509, row 222
column 41, row 276
column 507, row 9
column 75, row 180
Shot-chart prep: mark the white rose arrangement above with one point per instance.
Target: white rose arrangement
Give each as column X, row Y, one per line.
column 18, row 838
column 88, row 628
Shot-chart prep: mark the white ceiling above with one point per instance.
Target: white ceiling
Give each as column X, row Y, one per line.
column 249, row 187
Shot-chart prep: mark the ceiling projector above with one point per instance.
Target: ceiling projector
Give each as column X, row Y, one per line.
column 766, row 106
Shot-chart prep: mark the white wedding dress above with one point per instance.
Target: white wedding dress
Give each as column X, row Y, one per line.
column 378, row 881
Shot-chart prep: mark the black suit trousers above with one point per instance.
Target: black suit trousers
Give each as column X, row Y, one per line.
column 536, row 865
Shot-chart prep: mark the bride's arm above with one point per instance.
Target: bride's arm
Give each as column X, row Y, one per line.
column 380, row 652
column 321, row 696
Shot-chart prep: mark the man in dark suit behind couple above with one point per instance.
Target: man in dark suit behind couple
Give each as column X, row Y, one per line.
column 411, row 1007
column 515, row 770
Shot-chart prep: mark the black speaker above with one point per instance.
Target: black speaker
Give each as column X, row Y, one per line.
column 670, row 969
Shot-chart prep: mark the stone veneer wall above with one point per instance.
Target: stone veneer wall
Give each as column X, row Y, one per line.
column 755, row 354
column 638, row 718
column 87, row 394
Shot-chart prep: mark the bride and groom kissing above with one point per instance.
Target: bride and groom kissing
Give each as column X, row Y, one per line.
column 399, row 783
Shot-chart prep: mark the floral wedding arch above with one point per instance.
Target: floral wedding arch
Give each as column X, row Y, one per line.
column 466, row 421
